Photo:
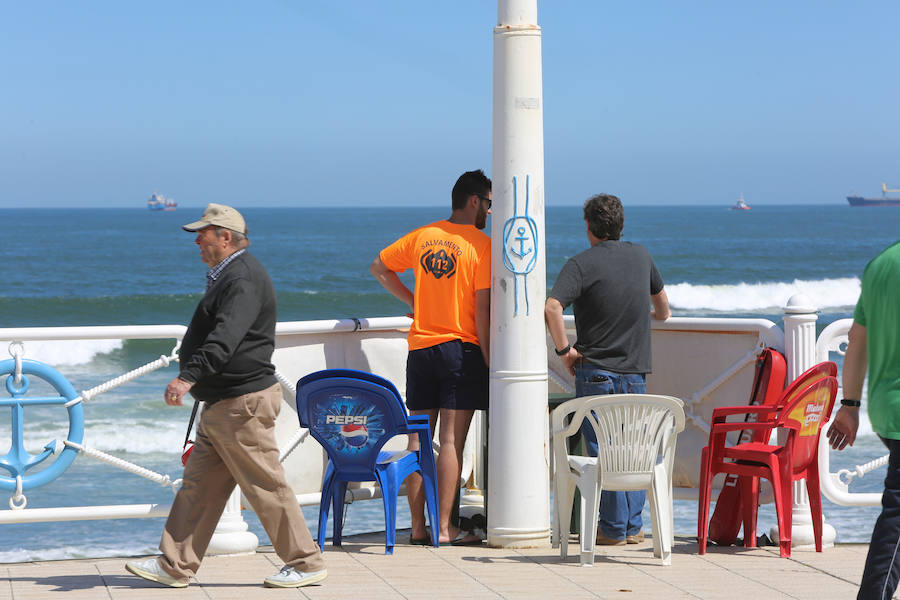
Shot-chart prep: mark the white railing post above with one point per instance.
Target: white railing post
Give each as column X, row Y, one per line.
column 232, row 535
column 518, row 489
column 836, row 486
column 800, row 351
column 799, row 335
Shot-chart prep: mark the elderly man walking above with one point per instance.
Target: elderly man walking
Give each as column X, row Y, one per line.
column 225, row 361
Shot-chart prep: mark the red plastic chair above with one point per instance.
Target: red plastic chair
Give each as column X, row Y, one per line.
column 768, row 389
column 811, row 375
column 726, row 521
column 814, row 373
column 804, row 414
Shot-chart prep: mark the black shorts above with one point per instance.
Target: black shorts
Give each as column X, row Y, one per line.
column 449, row 375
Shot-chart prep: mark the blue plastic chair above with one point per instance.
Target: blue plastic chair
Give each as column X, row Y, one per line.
column 352, row 414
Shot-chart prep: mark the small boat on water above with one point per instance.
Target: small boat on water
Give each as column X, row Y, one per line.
column 160, row 202
column 885, row 200
column 740, row 204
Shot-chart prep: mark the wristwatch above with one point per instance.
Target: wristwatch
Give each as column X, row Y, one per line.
column 848, row 402
column 563, row 351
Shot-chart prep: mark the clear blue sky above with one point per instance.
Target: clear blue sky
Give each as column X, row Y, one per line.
column 320, row 102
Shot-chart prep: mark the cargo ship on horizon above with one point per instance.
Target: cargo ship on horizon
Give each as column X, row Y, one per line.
column 740, row 204
column 160, row 202
column 885, row 200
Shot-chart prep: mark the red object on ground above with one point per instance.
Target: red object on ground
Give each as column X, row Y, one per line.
column 804, row 413
column 768, row 385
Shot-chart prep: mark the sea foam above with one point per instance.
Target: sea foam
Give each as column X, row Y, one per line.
column 66, row 352
column 829, row 294
column 118, row 437
column 19, row 555
column 137, row 437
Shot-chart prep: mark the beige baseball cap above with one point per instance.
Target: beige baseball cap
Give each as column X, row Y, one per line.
column 221, row 216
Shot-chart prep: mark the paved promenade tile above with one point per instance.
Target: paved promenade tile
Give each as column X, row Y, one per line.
column 360, row 569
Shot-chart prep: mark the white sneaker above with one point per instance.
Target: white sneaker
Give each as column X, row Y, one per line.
column 289, row 577
column 151, row 571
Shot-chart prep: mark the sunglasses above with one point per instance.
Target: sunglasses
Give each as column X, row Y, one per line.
column 486, row 199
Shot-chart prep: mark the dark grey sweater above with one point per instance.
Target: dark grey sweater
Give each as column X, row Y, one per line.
column 610, row 285
column 227, row 349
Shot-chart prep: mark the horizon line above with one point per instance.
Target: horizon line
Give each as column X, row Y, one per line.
column 199, row 206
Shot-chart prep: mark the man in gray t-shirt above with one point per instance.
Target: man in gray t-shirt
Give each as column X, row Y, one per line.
column 609, row 284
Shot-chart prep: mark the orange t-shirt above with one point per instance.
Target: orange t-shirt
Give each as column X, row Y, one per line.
column 450, row 263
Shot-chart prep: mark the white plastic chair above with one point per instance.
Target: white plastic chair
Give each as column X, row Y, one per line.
column 636, row 437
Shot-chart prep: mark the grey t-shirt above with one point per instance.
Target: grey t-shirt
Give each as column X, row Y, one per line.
column 610, row 285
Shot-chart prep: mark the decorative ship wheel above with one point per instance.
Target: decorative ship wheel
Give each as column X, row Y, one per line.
column 18, row 461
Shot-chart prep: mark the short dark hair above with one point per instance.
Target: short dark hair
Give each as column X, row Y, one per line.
column 470, row 182
column 605, row 216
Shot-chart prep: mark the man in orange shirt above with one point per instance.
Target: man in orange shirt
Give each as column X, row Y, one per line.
column 447, row 366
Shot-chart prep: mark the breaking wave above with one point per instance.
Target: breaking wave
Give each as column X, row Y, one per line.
column 66, row 352
column 827, row 294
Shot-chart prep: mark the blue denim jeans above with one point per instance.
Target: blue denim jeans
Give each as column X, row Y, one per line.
column 620, row 512
column 882, row 569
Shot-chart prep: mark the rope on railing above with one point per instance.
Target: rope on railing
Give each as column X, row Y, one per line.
column 569, row 389
column 847, row 475
column 292, row 443
column 18, row 501
column 163, row 480
column 17, row 350
column 159, row 363
column 302, row 432
column 285, row 382
column 702, row 394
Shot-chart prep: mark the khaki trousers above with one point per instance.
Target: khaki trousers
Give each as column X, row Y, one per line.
column 236, row 444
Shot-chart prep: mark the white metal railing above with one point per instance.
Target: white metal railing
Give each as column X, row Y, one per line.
column 767, row 333
column 19, row 336
column 105, row 332
column 336, row 325
column 768, row 336
column 161, row 332
column 836, row 486
column 697, row 388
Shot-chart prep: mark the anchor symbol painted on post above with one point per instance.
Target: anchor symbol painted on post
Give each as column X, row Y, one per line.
column 517, row 258
column 521, row 238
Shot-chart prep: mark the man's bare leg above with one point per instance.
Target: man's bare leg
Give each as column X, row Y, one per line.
column 454, row 429
column 414, row 492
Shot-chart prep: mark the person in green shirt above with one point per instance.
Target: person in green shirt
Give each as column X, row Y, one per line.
column 874, row 346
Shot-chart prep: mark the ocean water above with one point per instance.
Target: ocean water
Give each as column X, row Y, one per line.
column 129, row 266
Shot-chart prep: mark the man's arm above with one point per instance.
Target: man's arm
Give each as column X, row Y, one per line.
column 391, row 282
column 553, row 315
column 660, row 301
column 483, row 322
column 842, row 431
